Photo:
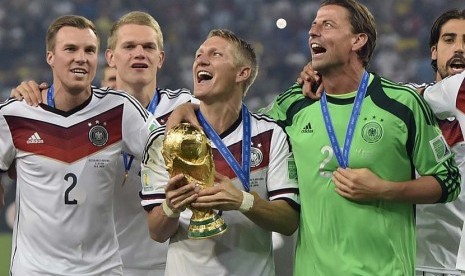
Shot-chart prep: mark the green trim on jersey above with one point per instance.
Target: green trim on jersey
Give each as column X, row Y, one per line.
column 395, row 136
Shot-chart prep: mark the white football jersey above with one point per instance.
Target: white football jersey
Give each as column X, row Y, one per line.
column 245, row 248
column 66, row 165
column 447, row 99
column 439, row 225
column 141, row 255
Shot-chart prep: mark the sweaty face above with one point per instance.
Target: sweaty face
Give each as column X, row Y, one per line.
column 74, row 58
column 214, row 70
column 450, row 50
column 331, row 38
column 137, row 56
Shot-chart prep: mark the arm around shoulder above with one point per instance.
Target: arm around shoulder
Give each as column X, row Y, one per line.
column 278, row 108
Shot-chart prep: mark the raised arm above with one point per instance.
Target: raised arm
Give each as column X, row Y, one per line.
column 183, row 113
column 311, row 82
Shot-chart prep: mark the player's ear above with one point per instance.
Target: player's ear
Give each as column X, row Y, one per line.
column 50, row 58
column 434, row 52
column 161, row 57
column 109, row 57
column 243, row 73
column 359, row 41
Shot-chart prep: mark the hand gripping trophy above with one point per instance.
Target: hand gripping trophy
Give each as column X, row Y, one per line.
column 187, row 150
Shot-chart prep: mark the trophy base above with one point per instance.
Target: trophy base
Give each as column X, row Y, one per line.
column 206, row 227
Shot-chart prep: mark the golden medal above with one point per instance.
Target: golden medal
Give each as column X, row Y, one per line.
column 125, row 177
column 127, row 159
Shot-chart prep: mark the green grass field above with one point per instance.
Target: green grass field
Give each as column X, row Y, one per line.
column 5, row 249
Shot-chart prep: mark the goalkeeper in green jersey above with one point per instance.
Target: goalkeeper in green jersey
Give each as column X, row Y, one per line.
column 436, row 255
column 356, row 151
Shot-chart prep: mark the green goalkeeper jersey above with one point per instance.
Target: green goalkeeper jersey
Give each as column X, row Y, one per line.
column 396, row 135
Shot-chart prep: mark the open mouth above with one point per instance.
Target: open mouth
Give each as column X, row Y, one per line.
column 317, row 49
column 457, row 64
column 79, row 71
column 203, row 76
column 139, row 65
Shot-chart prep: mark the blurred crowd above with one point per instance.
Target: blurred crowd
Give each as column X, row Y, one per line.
column 402, row 52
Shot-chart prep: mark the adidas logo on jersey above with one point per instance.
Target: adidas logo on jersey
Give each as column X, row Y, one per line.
column 307, row 128
column 35, row 139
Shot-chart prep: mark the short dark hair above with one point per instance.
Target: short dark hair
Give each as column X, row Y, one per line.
column 362, row 21
column 75, row 21
column 437, row 26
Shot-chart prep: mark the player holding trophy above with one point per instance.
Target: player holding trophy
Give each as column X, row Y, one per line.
column 187, row 151
column 255, row 189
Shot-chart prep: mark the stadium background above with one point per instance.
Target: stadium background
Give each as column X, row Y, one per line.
column 402, row 51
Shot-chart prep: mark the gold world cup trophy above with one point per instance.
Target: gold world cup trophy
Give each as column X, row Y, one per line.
column 187, row 150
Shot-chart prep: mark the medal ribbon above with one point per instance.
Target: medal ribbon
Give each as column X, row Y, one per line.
column 127, row 158
column 343, row 159
column 50, row 100
column 153, row 103
column 243, row 173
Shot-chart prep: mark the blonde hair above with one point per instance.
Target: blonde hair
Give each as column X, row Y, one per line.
column 138, row 18
column 245, row 54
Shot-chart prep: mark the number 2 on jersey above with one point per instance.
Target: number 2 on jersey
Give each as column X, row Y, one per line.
column 323, row 171
column 70, row 177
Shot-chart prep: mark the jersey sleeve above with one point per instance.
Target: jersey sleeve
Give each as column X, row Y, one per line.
column 137, row 124
column 154, row 175
column 431, row 154
column 282, row 172
column 7, row 148
column 279, row 107
column 442, row 97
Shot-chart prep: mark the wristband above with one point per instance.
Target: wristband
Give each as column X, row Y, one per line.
column 168, row 211
column 247, row 202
